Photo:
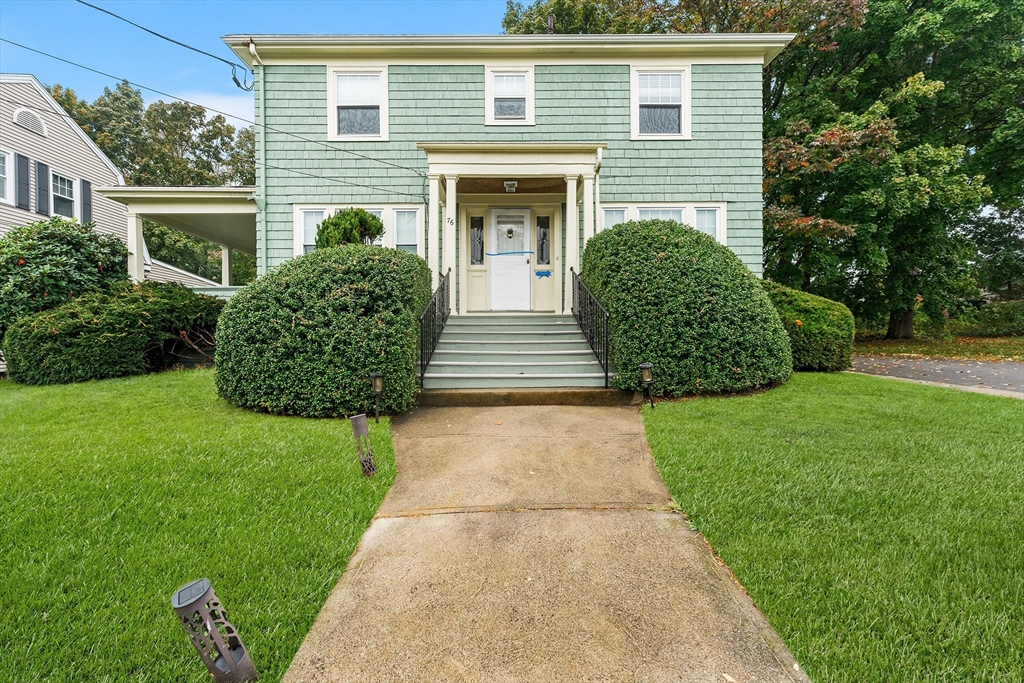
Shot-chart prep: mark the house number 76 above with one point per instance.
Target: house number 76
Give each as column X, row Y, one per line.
column 451, row 221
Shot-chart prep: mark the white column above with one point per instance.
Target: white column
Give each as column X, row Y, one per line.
column 572, row 238
column 136, row 254
column 225, row 265
column 588, row 207
column 433, row 233
column 451, row 220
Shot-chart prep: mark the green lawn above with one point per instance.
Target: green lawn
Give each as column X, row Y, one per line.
column 879, row 525
column 114, row 493
column 976, row 348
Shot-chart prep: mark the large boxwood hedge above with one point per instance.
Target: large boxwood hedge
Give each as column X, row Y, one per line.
column 128, row 329
column 304, row 338
column 820, row 330
column 687, row 304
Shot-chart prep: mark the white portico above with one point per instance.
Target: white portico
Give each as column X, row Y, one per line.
column 501, row 229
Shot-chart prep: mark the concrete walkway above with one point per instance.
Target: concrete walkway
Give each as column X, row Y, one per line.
column 1002, row 378
column 534, row 544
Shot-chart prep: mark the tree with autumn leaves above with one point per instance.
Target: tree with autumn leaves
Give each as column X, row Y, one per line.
column 890, row 129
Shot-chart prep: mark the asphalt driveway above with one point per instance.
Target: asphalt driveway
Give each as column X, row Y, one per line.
column 999, row 375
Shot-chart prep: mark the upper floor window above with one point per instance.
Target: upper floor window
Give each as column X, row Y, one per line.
column 63, row 194
column 6, row 168
column 509, row 94
column 661, row 104
column 359, row 105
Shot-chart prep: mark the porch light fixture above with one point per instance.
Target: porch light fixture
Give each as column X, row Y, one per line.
column 215, row 639
column 377, row 380
column 510, row 185
column 361, row 432
column 647, row 378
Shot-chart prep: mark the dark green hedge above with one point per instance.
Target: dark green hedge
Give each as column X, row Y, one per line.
column 1001, row 319
column 304, row 338
column 129, row 329
column 684, row 302
column 820, row 330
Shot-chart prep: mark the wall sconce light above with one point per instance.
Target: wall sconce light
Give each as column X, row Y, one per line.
column 215, row 639
column 647, row 378
column 377, row 380
column 361, row 431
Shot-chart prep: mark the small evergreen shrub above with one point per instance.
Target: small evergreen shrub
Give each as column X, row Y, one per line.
column 348, row 226
column 687, row 304
column 820, row 330
column 129, row 329
column 304, row 338
column 47, row 263
column 1000, row 319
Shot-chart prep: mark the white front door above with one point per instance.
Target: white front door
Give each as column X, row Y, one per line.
column 509, row 258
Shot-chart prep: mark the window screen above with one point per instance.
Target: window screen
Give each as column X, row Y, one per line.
column 613, row 217
column 661, row 99
column 510, row 97
column 707, row 221
column 405, row 231
column 476, row 240
column 664, row 214
column 544, row 240
column 63, row 196
column 358, row 104
column 310, row 222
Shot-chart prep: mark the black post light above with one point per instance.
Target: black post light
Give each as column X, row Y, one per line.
column 377, row 380
column 647, row 377
column 361, row 431
column 215, row 639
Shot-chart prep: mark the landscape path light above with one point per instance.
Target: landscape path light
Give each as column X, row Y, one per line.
column 647, row 378
column 203, row 618
column 377, row 380
column 361, row 431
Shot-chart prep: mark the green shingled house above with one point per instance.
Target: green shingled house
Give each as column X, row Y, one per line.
column 494, row 157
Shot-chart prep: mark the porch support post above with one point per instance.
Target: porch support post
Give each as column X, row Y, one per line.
column 588, row 207
column 433, row 233
column 225, row 265
column 136, row 253
column 451, row 221
column 572, row 238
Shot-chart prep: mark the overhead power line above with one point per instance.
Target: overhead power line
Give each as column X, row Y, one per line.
column 331, row 179
column 216, row 111
column 234, row 65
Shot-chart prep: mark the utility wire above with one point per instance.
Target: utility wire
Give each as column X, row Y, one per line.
column 216, row 111
column 234, row 65
column 331, row 179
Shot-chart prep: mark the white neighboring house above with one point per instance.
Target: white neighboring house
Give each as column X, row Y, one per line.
column 49, row 166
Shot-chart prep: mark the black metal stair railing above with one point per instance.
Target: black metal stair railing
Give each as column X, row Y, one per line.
column 433, row 320
column 592, row 318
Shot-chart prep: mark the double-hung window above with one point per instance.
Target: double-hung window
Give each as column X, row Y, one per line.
column 63, row 195
column 407, row 230
column 707, row 221
column 310, row 222
column 613, row 217
column 6, row 177
column 663, row 214
column 509, row 95
column 359, row 104
column 661, row 108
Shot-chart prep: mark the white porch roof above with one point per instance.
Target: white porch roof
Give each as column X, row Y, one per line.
column 223, row 215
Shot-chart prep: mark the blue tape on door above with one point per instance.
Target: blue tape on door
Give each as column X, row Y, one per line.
column 543, row 273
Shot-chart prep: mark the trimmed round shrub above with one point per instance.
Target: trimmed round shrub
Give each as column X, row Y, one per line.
column 687, row 304
column 304, row 338
column 47, row 263
column 129, row 329
column 820, row 330
column 348, row 226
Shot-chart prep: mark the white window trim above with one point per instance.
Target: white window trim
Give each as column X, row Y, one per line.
column 689, row 210
column 634, row 102
column 611, row 207
column 387, row 213
column 9, row 180
column 489, row 72
column 76, row 188
column 332, row 101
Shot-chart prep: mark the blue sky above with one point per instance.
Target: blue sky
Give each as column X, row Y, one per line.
column 73, row 31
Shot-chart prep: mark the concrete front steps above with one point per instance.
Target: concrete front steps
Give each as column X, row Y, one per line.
column 512, row 351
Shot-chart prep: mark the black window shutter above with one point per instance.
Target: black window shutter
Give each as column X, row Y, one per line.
column 86, row 201
column 42, row 188
column 23, row 194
